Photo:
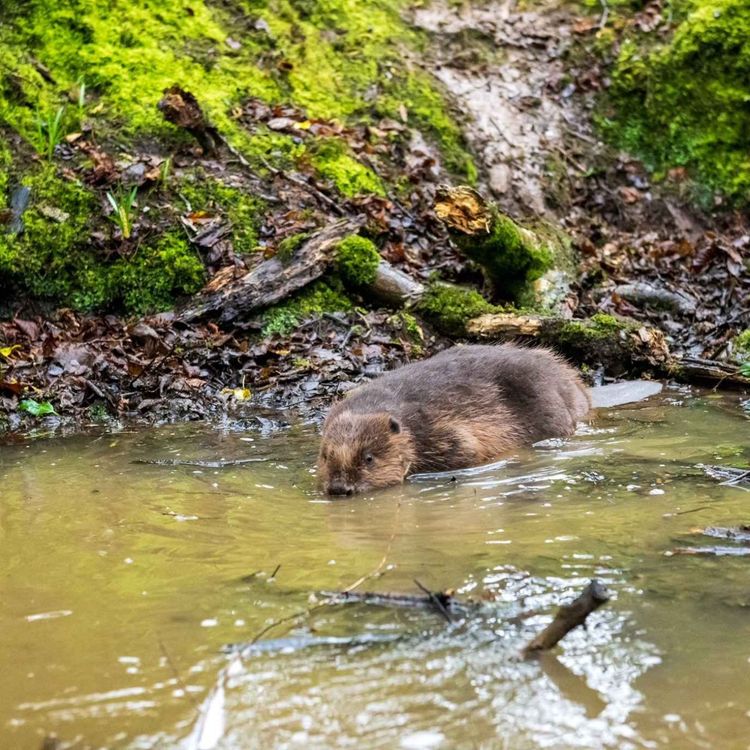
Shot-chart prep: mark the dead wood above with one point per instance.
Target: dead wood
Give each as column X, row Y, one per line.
column 181, row 108
column 643, row 293
column 694, row 370
column 738, row 534
column 622, row 346
column 272, row 280
column 511, row 255
column 207, row 464
column 714, row 551
column 568, row 617
column 394, row 287
column 727, row 474
column 407, row 601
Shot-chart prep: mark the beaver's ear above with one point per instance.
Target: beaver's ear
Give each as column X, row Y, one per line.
column 394, row 425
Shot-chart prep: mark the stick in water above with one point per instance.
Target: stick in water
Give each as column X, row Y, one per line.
column 568, row 617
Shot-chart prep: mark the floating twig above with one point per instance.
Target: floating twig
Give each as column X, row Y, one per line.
column 568, row 617
column 207, row 464
column 717, row 551
column 438, row 599
column 739, row 533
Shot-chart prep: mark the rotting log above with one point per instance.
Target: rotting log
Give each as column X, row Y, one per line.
column 272, row 280
column 695, row 370
column 568, row 617
column 511, row 256
column 621, row 346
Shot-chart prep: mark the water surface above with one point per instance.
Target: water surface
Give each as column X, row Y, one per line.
column 121, row 584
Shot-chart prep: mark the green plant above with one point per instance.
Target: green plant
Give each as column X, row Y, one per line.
column 37, row 408
column 81, row 100
column 165, row 170
column 123, row 208
column 50, row 131
column 745, row 369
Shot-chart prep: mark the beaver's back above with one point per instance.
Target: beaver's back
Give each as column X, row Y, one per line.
column 469, row 404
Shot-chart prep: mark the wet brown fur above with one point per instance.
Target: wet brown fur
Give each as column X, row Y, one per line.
column 464, row 407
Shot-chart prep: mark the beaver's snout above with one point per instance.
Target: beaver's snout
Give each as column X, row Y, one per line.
column 340, row 488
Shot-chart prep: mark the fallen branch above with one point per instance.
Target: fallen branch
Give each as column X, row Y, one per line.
column 717, row 551
column 568, row 617
column 221, row 464
column 732, row 533
column 408, row 601
column 729, row 475
column 620, row 345
column 394, row 287
column 272, row 280
column 693, row 369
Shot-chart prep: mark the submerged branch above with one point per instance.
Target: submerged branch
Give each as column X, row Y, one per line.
column 568, row 617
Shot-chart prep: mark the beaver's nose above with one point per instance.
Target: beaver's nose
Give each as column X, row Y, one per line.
column 340, row 488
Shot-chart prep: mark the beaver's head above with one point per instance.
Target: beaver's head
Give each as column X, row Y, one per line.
column 362, row 452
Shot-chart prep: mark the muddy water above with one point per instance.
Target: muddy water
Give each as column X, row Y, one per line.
column 120, row 584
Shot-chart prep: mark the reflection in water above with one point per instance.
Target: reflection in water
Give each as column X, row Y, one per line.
column 122, row 584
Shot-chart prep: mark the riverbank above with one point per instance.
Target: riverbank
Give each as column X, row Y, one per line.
column 262, row 131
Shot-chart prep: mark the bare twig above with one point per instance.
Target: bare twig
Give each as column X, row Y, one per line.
column 176, row 673
column 437, row 601
column 568, row 617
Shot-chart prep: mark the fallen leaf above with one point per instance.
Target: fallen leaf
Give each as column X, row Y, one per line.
column 6, row 351
column 584, row 26
column 36, row 408
column 12, row 386
column 239, row 394
column 630, row 195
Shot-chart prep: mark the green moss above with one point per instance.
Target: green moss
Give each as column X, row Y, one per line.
column 449, row 307
column 331, row 160
column 357, row 260
column 337, row 59
column 511, row 256
column 51, row 259
column 126, row 71
column 319, row 297
column 289, row 245
column 596, row 339
column 411, row 330
column 156, row 274
column 426, row 106
column 685, row 103
column 742, row 344
column 243, row 211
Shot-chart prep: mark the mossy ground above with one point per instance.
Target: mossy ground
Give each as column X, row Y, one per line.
column 449, row 307
column 357, row 260
column 320, row 297
column 106, row 66
column 683, row 102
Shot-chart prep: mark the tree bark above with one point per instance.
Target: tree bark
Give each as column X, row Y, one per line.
column 395, row 288
column 272, row 280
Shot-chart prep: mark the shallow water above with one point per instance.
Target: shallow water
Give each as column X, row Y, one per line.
column 121, row 584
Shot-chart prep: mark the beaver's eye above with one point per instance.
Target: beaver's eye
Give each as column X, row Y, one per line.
column 369, row 458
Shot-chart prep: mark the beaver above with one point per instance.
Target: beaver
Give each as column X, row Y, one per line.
column 463, row 407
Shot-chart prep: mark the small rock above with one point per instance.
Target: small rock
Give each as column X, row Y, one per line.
column 500, row 175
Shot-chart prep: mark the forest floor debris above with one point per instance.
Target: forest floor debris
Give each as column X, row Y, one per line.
column 646, row 253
